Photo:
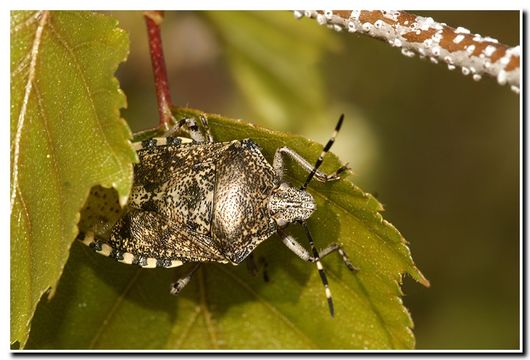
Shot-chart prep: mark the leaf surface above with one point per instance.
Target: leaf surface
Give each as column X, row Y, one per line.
column 274, row 61
column 103, row 304
column 66, row 136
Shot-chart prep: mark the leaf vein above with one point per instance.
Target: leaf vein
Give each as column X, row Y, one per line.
column 23, row 64
column 29, row 229
column 22, row 116
column 53, row 157
column 271, row 307
column 365, row 294
column 206, row 312
column 90, row 96
column 187, row 329
column 28, row 22
column 113, row 310
column 388, row 244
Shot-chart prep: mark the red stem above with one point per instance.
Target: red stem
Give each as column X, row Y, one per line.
column 153, row 20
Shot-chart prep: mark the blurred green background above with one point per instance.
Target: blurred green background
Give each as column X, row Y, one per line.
column 439, row 150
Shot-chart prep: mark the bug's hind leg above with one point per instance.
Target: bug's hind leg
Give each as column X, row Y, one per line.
column 181, row 283
column 254, row 268
column 264, row 268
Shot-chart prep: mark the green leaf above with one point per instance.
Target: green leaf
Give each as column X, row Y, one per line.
column 273, row 59
column 66, row 136
column 103, row 304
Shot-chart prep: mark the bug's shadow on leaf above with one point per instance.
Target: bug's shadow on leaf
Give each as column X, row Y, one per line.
column 225, row 288
column 102, row 291
column 325, row 226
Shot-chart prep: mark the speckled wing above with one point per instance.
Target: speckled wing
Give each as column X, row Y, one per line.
column 171, row 163
column 149, row 235
column 178, row 182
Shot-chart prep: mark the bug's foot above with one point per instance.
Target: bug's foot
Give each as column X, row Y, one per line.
column 350, row 266
column 346, row 260
column 178, row 285
column 336, row 174
column 181, row 283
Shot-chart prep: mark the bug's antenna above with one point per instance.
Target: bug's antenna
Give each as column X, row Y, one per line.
column 324, row 151
column 320, row 269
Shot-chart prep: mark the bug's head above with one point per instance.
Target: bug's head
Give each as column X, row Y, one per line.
column 288, row 204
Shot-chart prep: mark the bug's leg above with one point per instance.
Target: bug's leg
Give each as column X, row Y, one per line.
column 303, row 254
column 87, row 238
column 254, row 267
column 195, row 132
column 295, row 247
column 306, row 165
column 278, row 166
column 315, row 257
column 331, row 248
column 178, row 285
column 264, row 265
column 206, row 128
column 251, row 265
column 193, row 128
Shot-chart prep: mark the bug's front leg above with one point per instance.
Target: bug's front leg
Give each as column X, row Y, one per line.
column 181, row 283
column 305, row 255
column 338, row 248
column 311, row 169
column 278, row 165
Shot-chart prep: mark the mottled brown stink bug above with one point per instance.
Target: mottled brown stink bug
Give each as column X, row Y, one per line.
column 196, row 200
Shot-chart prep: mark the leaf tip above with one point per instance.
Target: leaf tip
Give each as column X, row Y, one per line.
column 419, row 277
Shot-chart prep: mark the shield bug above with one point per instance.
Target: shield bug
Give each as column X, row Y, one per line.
column 196, row 200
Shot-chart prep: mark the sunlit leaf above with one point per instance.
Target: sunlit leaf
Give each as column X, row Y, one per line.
column 103, row 304
column 66, row 136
